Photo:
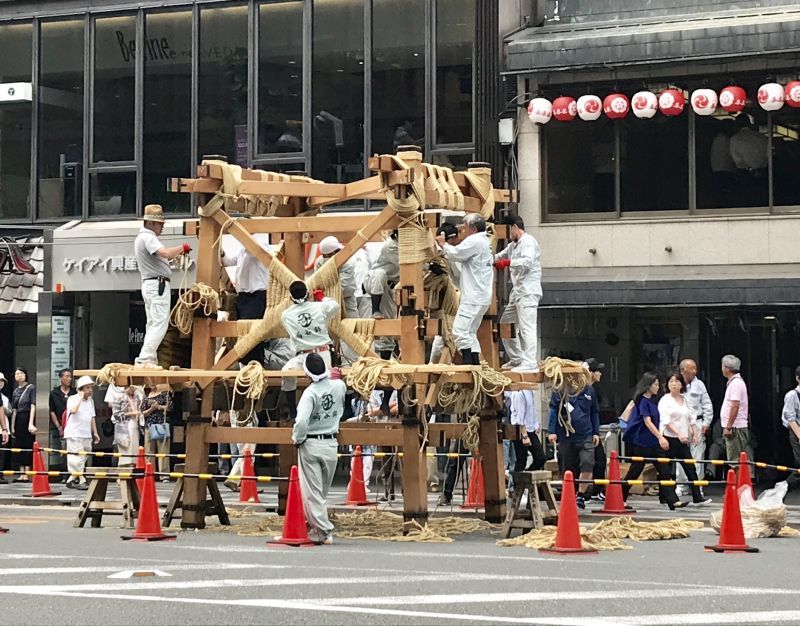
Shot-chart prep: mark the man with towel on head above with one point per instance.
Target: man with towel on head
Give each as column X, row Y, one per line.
column 306, row 322
column 315, row 429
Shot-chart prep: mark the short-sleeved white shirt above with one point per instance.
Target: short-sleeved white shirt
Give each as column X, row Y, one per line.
column 150, row 264
column 80, row 414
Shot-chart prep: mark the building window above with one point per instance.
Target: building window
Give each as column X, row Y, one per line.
column 280, row 77
column 654, row 163
column 338, row 90
column 455, row 39
column 580, row 167
column 458, row 162
column 60, row 151
column 112, row 193
column 114, row 89
column 15, row 123
column 398, row 75
column 167, row 107
column 785, row 157
column 222, row 124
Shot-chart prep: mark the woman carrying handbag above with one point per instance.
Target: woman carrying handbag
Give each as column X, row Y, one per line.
column 156, row 427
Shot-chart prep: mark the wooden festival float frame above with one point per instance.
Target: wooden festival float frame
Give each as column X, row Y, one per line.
column 297, row 221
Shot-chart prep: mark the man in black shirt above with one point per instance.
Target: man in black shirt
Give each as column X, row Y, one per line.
column 58, row 404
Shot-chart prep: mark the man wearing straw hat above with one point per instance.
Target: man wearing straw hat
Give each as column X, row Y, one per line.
column 152, row 258
column 318, row 413
column 80, row 431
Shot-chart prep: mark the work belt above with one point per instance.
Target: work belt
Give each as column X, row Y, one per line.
column 331, row 436
column 162, row 283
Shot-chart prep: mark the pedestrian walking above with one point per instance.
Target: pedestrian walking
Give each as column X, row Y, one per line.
column 23, row 428
column 240, row 419
column 678, row 428
column 127, row 418
column 152, row 259
column 318, row 413
column 80, row 431
column 57, row 405
column 645, row 439
column 701, row 411
column 575, row 427
column 790, row 417
column 523, row 258
column 157, row 438
column 735, row 411
column 596, row 368
column 522, row 405
column 477, row 281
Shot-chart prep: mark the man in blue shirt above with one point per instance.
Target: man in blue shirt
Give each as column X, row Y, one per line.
column 575, row 425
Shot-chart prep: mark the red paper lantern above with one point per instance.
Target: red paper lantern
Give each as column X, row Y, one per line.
column 771, row 97
column 792, row 94
column 644, row 104
column 671, row 102
column 732, row 99
column 565, row 109
column 616, row 106
column 540, row 110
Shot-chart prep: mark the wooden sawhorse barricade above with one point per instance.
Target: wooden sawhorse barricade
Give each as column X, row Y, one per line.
column 536, row 485
column 212, row 506
column 95, row 504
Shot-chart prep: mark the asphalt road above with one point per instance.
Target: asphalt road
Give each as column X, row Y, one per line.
column 52, row 573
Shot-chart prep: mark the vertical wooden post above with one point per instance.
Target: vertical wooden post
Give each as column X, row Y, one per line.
column 494, row 484
column 412, row 351
column 194, row 493
column 294, row 259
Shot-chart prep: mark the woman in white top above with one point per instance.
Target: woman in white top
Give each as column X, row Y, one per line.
column 80, row 432
column 678, row 428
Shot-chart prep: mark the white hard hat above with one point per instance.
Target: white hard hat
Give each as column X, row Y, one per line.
column 83, row 381
column 329, row 245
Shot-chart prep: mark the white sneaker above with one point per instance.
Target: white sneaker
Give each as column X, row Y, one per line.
column 704, row 502
column 682, row 490
column 328, row 541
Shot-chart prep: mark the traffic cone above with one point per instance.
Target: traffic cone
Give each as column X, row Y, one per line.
column 140, row 467
column 148, row 526
column 731, row 532
column 248, row 489
column 615, row 503
column 475, row 494
column 40, row 485
column 295, row 530
column 568, row 533
column 356, row 492
column 744, row 474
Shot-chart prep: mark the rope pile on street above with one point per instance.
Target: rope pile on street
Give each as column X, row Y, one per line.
column 608, row 534
column 385, row 526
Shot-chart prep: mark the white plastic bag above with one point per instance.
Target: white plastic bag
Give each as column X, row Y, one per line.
column 764, row 517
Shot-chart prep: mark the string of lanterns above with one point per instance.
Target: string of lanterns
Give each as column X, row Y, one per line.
column 670, row 102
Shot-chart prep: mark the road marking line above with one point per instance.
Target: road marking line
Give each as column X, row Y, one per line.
column 23, row 571
column 679, row 619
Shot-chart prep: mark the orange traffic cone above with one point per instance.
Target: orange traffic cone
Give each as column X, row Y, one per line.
column 248, row 489
column 615, row 503
column 148, row 526
column 140, row 467
column 475, row 494
column 295, row 530
column 40, row 485
column 731, row 532
column 568, row 533
column 744, row 474
column 356, row 492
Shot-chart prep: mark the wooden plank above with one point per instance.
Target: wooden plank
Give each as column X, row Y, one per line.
column 491, row 450
column 375, row 225
column 282, row 436
column 383, row 328
column 193, row 185
column 297, row 189
column 246, row 239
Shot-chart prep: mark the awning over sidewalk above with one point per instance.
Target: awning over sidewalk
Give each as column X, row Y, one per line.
column 716, row 34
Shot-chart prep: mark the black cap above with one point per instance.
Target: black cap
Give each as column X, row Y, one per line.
column 595, row 365
column 315, row 364
column 298, row 290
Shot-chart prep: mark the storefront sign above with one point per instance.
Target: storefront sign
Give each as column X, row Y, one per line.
column 61, row 346
column 90, row 264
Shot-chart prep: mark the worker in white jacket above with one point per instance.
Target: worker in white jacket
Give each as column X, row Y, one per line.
column 328, row 247
column 477, row 279
column 382, row 278
column 306, row 322
column 523, row 259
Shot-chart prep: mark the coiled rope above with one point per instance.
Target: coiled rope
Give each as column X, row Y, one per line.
column 367, row 373
column 565, row 384
column 109, row 372
column 197, row 297
column 250, row 383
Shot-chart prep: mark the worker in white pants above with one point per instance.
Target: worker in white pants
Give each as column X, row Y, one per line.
column 235, row 475
column 315, row 429
column 523, row 258
column 306, row 322
column 152, row 259
column 380, row 283
column 79, row 432
column 360, row 272
column 477, row 281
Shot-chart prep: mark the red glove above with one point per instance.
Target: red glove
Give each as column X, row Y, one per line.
column 501, row 263
column 318, row 295
column 186, row 248
column 336, row 373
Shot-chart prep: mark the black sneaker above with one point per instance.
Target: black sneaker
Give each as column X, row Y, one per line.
column 82, row 486
column 444, row 499
column 580, row 502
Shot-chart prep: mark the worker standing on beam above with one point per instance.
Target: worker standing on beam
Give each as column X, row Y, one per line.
column 307, row 324
column 382, row 278
column 524, row 260
column 152, row 258
column 314, row 433
column 477, row 280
